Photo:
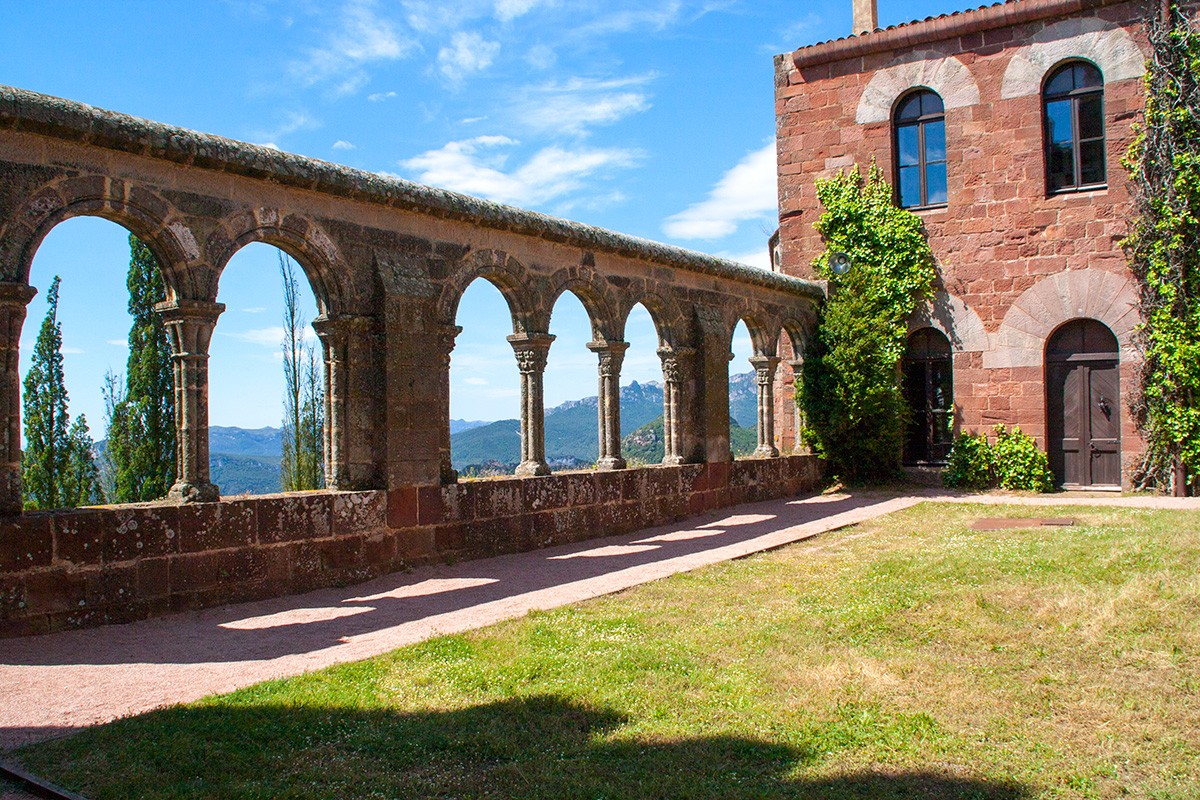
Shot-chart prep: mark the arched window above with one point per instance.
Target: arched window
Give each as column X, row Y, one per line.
column 920, row 123
column 1073, row 101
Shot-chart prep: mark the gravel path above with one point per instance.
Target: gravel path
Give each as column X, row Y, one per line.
column 52, row 685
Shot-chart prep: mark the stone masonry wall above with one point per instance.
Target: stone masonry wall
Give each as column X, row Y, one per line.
column 1001, row 234
column 108, row 565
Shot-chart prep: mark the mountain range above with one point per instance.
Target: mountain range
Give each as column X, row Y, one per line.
column 246, row 461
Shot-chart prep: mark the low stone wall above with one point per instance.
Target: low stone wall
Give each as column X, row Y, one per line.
column 105, row 565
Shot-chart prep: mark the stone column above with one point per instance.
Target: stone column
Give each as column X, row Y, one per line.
column 674, row 367
column 608, row 402
column 190, row 325
column 445, row 340
column 14, row 298
column 798, row 418
column 764, row 367
column 531, row 350
column 334, row 333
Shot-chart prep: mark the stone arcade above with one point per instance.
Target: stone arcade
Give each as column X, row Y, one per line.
column 388, row 262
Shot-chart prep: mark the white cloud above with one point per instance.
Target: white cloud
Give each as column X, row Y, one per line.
column 541, row 56
column 117, row 342
column 378, row 96
column 755, row 258
column 471, row 120
column 571, row 106
column 254, row 310
column 268, row 337
column 361, row 37
column 747, row 191
column 71, row 351
column 507, row 10
column 293, row 121
column 477, row 166
column 475, row 381
column 342, row 144
column 467, row 54
column 655, row 18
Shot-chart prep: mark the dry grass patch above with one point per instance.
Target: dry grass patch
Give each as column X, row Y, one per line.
column 908, row 657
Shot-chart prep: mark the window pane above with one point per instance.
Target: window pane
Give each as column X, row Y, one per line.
column 1061, row 83
column 1058, row 121
column 1087, row 76
column 931, row 103
column 1091, row 162
column 906, row 140
column 935, row 183
column 1061, row 166
column 1091, row 116
column 935, row 141
column 910, row 186
column 910, row 108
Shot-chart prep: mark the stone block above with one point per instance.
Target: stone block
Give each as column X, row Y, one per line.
column 55, row 591
column 609, row 485
column 458, row 500
column 192, row 572
column 12, row 597
column 79, row 536
column 153, row 577
column 142, row 532
column 430, row 509
column 26, row 542
column 112, row 586
column 293, row 518
column 343, row 554
column 449, row 538
column 551, row 491
column 402, row 507
column 216, row 526
column 416, row 543
column 357, row 512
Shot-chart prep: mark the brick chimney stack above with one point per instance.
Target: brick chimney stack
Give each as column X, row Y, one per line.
column 866, row 16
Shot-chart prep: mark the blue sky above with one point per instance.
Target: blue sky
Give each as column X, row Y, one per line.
column 654, row 118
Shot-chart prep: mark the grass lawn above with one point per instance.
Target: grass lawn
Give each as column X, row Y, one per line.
column 907, row 657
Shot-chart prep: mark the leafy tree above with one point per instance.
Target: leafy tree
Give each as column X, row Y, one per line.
column 141, row 415
column 849, row 392
column 304, row 398
column 57, row 469
column 1164, row 251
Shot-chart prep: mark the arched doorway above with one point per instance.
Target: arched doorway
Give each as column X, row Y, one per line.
column 929, row 389
column 1083, row 414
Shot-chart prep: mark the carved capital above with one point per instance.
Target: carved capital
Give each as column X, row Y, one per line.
column 15, row 294
column 190, row 324
column 764, row 368
column 531, row 350
column 675, row 362
column 611, row 355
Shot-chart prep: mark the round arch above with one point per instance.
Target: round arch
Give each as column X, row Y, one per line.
column 945, row 75
column 501, row 270
column 591, row 292
column 1103, row 43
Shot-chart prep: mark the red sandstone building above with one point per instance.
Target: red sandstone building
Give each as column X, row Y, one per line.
column 1003, row 128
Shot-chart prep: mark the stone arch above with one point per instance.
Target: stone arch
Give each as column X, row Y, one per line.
column 592, row 293
column 668, row 321
column 945, row 75
column 299, row 237
column 501, row 270
column 1104, row 43
column 764, row 332
column 1056, row 300
column 951, row 316
column 141, row 211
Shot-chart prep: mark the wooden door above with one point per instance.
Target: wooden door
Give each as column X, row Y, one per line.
column 929, row 390
column 1083, row 406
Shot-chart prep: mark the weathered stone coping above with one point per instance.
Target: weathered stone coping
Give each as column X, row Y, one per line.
column 32, row 112
column 945, row 26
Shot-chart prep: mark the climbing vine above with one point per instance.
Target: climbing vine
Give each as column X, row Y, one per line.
column 1163, row 248
column 854, row 410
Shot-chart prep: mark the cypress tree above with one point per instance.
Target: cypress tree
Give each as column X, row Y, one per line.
column 141, row 421
column 57, row 469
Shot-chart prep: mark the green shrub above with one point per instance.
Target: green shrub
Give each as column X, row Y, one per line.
column 1019, row 462
column 1013, row 462
column 970, row 464
column 854, row 410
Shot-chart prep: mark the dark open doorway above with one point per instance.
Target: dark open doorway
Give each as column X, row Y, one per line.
column 929, row 389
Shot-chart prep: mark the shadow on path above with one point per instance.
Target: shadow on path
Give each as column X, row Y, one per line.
column 536, row 747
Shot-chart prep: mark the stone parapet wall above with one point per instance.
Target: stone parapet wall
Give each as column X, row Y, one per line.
column 96, row 566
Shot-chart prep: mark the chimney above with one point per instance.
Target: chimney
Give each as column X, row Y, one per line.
column 866, row 16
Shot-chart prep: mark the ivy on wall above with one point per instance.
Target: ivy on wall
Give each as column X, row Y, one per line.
column 855, row 413
column 1164, row 252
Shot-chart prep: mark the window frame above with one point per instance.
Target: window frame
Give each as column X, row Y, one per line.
column 1075, row 96
column 920, row 123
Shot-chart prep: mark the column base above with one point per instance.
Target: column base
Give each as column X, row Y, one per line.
column 674, row 461
column 449, row 476
column 611, row 463
column 194, row 493
column 532, row 469
column 766, row 451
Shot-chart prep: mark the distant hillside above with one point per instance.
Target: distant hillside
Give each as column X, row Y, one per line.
column 457, row 425
column 245, row 442
column 645, row 445
column 245, row 474
column 495, row 448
